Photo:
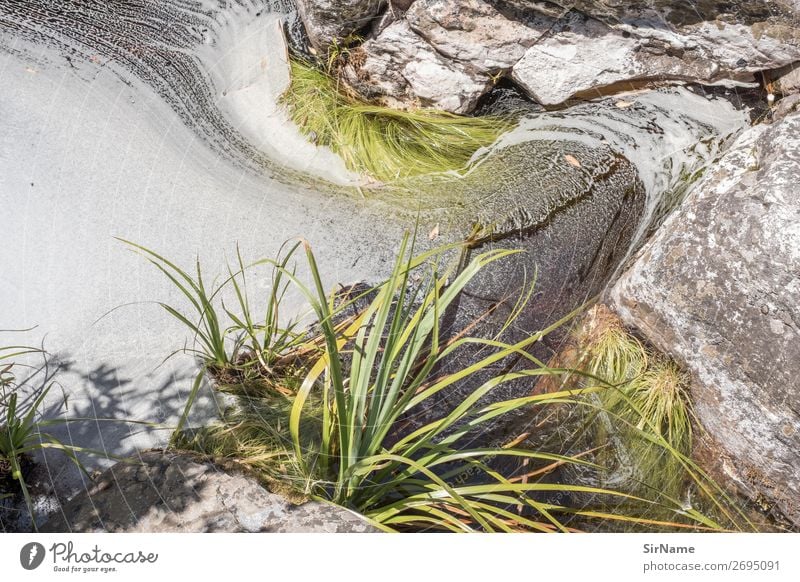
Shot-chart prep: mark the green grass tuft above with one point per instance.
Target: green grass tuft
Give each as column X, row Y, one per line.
column 23, row 429
column 647, row 390
column 387, row 144
column 337, row 424
column 641, row 421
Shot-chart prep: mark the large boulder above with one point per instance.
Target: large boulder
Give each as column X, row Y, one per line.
column 174, row 492
column 600, row 44
column 444, row 54
column 584, row 54
column 472, row 32
column 718, row 288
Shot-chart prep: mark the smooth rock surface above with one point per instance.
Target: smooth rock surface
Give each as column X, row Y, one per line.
column 183, row 493
column 718, row 288
column 583, row 54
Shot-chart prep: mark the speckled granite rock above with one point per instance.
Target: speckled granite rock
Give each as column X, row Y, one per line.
column 718, row 288
column 173, row 492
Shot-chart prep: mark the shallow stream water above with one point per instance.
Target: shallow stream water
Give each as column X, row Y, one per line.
column 157, row 121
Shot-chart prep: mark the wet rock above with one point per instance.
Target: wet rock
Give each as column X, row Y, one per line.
column 329, row 21
column 172, row 492
column 400, row 69
column 718, row 288
column 572, row 209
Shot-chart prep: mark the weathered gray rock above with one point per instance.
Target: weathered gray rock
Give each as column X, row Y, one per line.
column 583, row 54
column 666, row 39
column 443, row 54
column 172, row 492
column 400, row 69
column 473, row 32
column 327, row 21
column 718, row 288
column 676, row 13
column 559, row 50
column 786, row 106
column 787, row 79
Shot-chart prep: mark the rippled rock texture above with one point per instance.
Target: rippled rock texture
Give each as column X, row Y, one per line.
column 718, row 288
column 559, row 50
column 183, row 493
column 583, row 207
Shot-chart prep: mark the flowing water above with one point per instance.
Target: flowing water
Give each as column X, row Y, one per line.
column 157, row 121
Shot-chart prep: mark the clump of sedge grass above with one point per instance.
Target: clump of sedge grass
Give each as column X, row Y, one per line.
column 22, row 427
column 253, row 432
column 646, row 389
column 387, row 144
column 337, row 428
column 607, row 350
column 642, row 419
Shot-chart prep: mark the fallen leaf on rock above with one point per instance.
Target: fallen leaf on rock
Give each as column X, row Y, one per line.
column 572, row 161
